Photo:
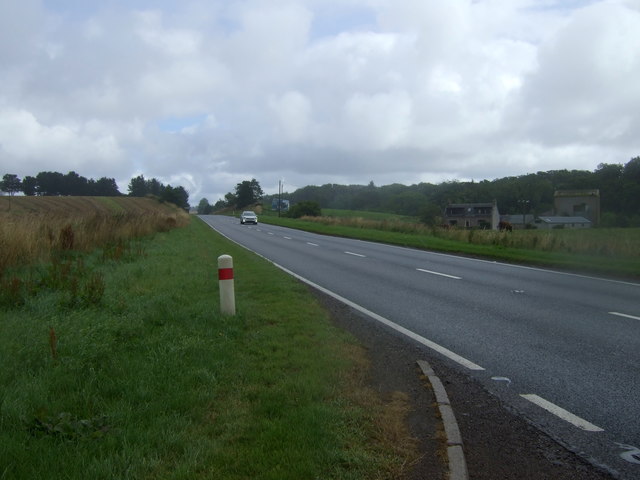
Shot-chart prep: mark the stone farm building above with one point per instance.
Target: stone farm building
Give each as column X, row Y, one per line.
column 472, row 215
column 577, row 203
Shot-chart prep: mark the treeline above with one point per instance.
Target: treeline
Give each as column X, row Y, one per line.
column 56, row 183
column 246, row 194
column 619, row 187
column 72, row 184
column 141, row 187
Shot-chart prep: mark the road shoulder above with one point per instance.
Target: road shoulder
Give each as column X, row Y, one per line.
column 498, row 443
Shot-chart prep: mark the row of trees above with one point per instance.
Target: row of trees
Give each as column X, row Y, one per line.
column 55, row 183
column 246, row 193
column 619, row 187
column 72, row 184
column 142, row 187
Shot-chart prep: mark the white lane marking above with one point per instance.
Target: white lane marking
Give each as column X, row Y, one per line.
column 632, row 455
column 269, row 233
column 355, row 254
column 502, row 379
column 288, row 238
column 438, row 273
column 624, row 315
column 562, row 413
column 313, row 244
column 424, row 341
column 458, row 257
column 512, row 265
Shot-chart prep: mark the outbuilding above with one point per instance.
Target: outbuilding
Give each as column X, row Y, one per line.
column 563, row 222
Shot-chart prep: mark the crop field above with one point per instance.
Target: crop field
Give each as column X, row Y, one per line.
column 31, row 228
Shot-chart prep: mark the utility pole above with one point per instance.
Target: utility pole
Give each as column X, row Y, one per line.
column 279, row 196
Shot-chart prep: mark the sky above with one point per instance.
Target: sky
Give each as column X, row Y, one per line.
column 208, row 93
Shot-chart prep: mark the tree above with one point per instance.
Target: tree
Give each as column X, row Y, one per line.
column 431, row 215
column 220, row 204
column 407, row 203
column 204, row 207
column 154, row 187
column 230, row 200
column 11, row 184
column 29, row 185
column 631, row 187
column 74, row 184
column 50, row 183
column 105, row 187
column 302, row 209
column 138, row 187
column 248, row 193
column 178, row 196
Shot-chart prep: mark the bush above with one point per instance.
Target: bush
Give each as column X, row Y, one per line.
column 305, row 209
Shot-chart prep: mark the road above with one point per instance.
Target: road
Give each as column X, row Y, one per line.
column 562, row 349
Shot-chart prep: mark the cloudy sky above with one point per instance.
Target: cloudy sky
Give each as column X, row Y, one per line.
column 207, row 93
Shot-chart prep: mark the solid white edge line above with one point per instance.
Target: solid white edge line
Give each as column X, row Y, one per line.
column 426, row 342
column 355, row 254
column 438, row 273
column 624, row 315
column 562, row 413
column 414, row 336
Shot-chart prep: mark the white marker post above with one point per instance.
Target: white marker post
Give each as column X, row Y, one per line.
column 227, row 291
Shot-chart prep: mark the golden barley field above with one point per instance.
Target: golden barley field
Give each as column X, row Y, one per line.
column 32, row 228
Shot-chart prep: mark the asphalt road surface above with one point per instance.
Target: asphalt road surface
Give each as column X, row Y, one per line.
column 562, row 349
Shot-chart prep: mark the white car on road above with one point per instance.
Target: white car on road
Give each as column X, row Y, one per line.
column 248, row 217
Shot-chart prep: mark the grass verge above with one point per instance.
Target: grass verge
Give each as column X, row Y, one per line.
column 150, row 381
column 609, row 252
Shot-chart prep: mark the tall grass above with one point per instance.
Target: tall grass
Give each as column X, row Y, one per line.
column 155, row 383
column 32, row 237
column 608, row 242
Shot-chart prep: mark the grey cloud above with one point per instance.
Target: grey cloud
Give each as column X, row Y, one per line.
column 412, row 91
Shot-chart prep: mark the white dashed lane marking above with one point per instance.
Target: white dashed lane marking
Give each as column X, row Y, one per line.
column 438, row 273
column 624, row 315
column 562, row 413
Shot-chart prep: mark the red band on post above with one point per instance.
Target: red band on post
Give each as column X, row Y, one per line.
column 225, row 274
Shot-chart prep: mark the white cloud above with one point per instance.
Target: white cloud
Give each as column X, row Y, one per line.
column 292, row 112
column 585, row 89
column 210, row 93
column 24, row 139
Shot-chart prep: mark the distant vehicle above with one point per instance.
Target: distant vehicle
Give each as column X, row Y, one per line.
column 248, row 217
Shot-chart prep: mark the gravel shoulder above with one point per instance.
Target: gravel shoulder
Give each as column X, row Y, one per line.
column 498, row 443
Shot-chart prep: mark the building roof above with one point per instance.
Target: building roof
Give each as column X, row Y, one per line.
column 564, row 220
column 516, row 218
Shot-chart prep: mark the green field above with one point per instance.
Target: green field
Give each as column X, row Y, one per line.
column 599, row 251
column 136, row 375
column 328, row 212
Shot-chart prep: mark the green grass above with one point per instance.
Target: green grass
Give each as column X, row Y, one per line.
column 602, row 251
column 152, row 382
column 328, row 212
column 366, row 215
